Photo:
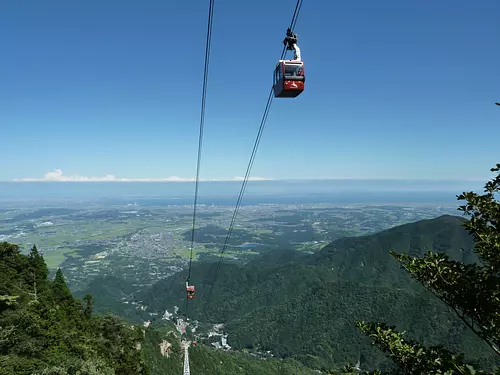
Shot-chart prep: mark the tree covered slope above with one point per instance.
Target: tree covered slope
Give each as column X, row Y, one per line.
column 207, row 361
column 305, row 307
column 44, row 330
column 366, row 258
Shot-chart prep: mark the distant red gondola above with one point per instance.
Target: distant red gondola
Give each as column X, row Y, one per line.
column 190, row 290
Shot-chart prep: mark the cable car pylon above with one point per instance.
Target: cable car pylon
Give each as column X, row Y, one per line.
column 186, row 358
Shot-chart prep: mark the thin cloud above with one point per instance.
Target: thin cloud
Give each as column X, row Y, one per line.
column 58, row 176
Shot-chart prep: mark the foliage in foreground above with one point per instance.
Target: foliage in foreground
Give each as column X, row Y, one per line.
column 472, row 291
column 45, row 331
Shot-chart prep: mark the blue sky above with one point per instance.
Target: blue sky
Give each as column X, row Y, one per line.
column 395, row 89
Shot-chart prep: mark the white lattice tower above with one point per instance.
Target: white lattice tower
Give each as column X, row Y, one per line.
column 186, row 359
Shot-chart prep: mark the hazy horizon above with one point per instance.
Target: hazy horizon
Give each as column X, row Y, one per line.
column 225, row 192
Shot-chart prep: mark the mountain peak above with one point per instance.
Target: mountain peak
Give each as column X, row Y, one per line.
column 368, row 256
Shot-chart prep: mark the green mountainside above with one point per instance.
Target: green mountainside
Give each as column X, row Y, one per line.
column 300, row 307
column 205, row 360
column 44, row 330
column 112, row 294
column 366, row 258
column 305, row 307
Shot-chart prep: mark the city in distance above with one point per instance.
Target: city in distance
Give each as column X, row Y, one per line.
column 142, row 230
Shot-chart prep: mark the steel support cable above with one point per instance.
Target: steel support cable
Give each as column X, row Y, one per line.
column 296, row 13
column 200, row 137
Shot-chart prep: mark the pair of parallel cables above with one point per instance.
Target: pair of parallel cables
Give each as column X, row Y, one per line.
column 295, row 16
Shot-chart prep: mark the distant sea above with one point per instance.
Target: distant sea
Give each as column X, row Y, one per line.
column 225, row 193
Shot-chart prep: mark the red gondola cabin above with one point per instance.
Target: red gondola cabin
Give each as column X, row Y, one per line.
column 289, row 79
column 190, row 291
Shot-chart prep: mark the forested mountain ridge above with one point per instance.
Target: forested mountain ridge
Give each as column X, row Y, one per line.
column 305, row 307
column 45, row 331
column 357, row 259
column 366, row 258
column 300, row 307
